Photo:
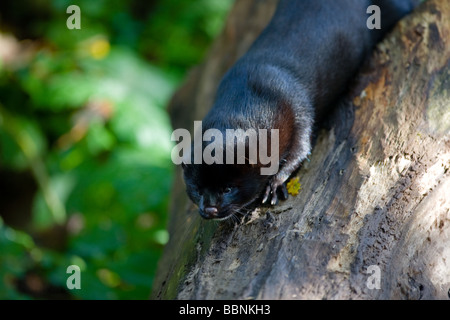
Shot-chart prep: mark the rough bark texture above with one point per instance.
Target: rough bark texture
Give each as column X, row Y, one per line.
column 375, row 192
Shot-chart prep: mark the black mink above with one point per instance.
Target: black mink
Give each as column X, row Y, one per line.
column 290, row 77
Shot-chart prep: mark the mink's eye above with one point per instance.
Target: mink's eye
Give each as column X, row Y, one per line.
column 227, row 190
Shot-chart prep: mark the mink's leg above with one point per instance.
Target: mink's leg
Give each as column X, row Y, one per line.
column 299, row 152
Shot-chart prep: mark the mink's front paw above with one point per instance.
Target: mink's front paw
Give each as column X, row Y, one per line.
column 275, row 186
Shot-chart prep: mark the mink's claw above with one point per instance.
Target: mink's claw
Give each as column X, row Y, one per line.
column 284, row 192
column 267, row 194
column 274, row 200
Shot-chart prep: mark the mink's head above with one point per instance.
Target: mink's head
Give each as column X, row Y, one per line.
column 223, row 190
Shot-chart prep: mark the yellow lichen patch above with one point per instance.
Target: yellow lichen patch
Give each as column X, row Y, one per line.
column 293, row 186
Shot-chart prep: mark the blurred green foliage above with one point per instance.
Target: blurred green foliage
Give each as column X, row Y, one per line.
column 82, row 112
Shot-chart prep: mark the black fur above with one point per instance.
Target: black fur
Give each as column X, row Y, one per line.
column 290, row 77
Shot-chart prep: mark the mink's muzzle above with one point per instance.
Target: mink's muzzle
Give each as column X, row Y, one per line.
column 220, row 191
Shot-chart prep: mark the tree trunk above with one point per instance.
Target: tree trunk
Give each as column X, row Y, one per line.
column 372, row 219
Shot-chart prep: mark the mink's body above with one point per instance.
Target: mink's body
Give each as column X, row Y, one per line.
column 296, row 69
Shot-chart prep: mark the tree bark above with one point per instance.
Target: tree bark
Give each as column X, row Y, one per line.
column 375, row 196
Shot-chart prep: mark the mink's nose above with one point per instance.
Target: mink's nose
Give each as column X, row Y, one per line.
column 210, row 212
